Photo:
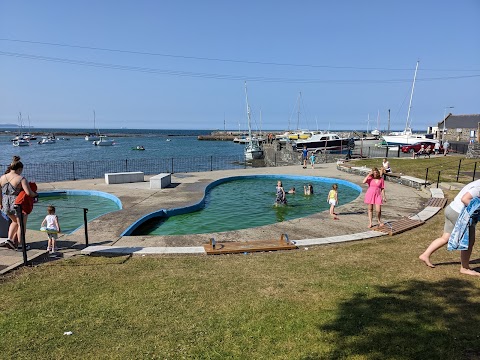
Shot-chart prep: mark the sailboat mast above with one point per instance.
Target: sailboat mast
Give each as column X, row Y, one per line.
column 407, row 125
column 248, row 113
column 298, row 110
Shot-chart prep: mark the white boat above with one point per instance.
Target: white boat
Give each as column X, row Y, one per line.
column 47, row 140
column 103, row 141
column 406, row 136
column 324, row 142
column 20, row 142
column 93, row 136
column 253, row 150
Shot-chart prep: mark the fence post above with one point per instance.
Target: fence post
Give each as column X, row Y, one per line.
column 126, row 165
column 386, row 153
column 368, row 152
column 275, row 158
column 73, row 169
column 398, row 151
column 458, row 171
column 426, row 178
column 438, row 179
column 172, row 166
column 211, row 162
column 85, row 222
column 474, row 171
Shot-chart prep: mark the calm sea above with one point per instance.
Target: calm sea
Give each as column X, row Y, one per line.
column 182, row 143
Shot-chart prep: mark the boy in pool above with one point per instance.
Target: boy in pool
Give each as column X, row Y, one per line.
column 51, row 225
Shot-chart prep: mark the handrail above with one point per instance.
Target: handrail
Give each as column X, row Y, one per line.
column 458, row 171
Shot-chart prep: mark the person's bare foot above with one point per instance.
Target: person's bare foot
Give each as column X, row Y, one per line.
column 370, row 226
column 380, row 224
column 426, row 260
column 469, row 272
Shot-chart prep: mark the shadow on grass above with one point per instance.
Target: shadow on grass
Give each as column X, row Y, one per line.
column 413, row 320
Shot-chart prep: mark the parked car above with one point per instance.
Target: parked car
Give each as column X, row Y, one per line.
column 416, row 147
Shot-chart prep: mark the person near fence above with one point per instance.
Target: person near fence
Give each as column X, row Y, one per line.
column 312, row 160
column 452, row 212
column 12, row 184
column 446, row 144
column 304, row 156
column 51, row 226
column 375, row 195
column 436, row 148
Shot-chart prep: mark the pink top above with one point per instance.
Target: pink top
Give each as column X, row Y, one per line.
column 374, row 191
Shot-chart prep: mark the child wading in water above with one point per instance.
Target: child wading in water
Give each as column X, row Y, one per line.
column 281, row 199
column 332, row 199
column 52, row 227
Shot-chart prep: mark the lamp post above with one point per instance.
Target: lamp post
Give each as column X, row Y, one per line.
column 444, row 114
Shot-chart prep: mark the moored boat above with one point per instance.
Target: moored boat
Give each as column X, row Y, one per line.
column 103, row 141
column 324, row 142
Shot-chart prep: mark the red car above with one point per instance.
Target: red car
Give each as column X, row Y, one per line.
column 416, row 147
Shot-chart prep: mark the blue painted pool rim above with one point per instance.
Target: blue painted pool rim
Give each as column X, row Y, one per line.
column 199, row 205
column 108, row 196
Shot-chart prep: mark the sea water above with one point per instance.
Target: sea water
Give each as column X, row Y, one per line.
column 181, row 144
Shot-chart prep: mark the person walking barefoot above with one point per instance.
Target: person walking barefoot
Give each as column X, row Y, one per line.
column 375, row 195
column 452, row 212
column 332, row 199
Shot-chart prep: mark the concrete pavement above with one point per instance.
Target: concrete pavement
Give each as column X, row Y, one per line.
column 187, row 189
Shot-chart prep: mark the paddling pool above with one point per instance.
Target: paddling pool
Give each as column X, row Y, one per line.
column 69, row 206
column 243, row 202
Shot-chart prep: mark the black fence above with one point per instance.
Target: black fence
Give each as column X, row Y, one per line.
column 78, row 170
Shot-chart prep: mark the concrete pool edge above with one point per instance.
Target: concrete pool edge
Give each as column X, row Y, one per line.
column 73, row 192
column 162, row 213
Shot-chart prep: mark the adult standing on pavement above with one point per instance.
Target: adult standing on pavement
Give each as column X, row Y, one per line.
column 452, row 212
column 445, row 148
column 304, row 156
column 12, row 183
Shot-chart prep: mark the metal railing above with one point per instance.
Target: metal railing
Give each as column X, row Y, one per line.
column 465, row 171
column 78, row 170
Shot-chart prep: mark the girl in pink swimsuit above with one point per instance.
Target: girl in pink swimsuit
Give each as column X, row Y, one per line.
column 375, row 195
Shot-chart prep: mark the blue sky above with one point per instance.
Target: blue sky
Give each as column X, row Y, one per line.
column 182, row 64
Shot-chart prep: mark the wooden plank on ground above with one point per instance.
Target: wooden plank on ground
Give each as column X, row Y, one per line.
column 437, row 202
column 398, row 226
column 248, row 246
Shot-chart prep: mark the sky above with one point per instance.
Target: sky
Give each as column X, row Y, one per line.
column 183, row 64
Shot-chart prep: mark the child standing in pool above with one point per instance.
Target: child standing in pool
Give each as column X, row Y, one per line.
column 51, row 225
column 281, row 199
column 332, row 199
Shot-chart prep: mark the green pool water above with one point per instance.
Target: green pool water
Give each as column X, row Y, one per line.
column 246, row 203
column 69, row 209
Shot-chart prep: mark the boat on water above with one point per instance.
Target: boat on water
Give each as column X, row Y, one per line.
column 324, row 142
column 93, row 136
column 47, row 140
column 253, row 149
column 20, row 142
column 103, row 141
column 138, row 147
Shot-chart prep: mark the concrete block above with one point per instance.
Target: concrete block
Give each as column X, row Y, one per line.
column 124, row 177
column 160, row 181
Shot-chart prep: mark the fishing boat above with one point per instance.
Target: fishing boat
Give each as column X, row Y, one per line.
column 253, row 149
column 103, row 141
column 93, row 136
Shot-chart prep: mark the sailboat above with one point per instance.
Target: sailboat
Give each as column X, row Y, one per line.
column 253, row 150
column 406, row 136
column 93, row 136
column 376, row 131
column 20, row 140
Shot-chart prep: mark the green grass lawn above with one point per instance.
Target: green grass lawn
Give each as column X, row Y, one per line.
column 371, row 299
column 448, row 167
